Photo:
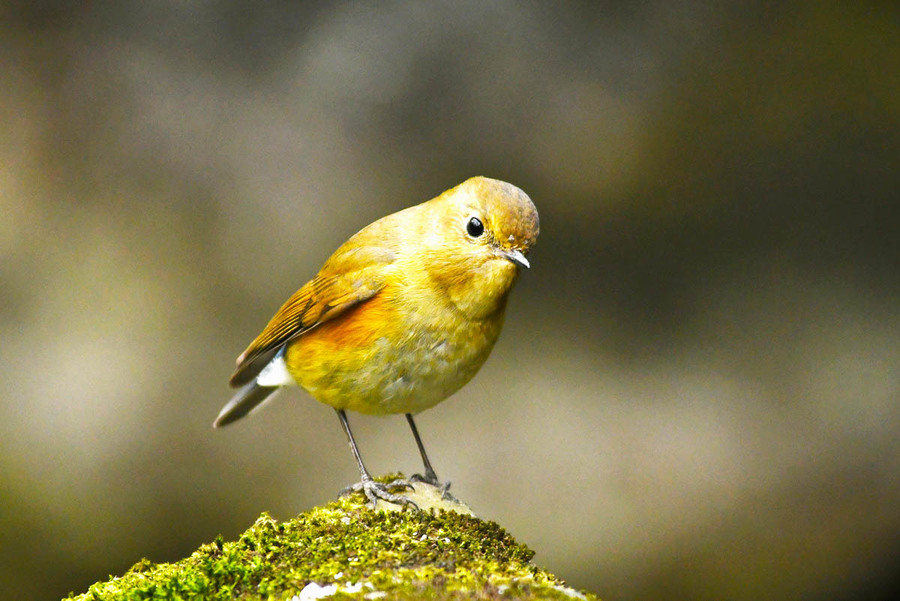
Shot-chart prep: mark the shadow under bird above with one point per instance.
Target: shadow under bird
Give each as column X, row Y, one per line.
column 400, row 317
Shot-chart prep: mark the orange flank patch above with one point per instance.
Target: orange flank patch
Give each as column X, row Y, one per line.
column 358, row 327
column 343, row 344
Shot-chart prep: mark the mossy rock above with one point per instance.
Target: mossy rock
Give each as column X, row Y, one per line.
column 345, row 550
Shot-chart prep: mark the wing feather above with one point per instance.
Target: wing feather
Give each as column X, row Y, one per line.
column 353, row 275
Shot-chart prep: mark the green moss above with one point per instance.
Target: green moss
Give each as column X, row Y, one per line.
column 364, row 553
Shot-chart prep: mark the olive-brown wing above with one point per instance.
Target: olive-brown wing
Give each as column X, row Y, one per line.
column 350, row 277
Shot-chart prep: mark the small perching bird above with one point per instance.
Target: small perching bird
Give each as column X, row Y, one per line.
column 400, row 317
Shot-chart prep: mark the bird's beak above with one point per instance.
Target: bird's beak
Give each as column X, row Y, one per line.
column 517, row 257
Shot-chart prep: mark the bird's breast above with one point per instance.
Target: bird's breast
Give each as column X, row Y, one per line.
column 399, row 352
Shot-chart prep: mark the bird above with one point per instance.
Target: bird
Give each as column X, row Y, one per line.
column 400, row 317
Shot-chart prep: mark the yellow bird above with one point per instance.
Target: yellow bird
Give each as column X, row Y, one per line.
column 400, row 317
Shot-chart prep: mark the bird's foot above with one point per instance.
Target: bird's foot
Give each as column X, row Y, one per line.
column 432, row 479
column 380, row 490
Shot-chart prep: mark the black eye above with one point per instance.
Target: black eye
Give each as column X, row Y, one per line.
column 475, row 227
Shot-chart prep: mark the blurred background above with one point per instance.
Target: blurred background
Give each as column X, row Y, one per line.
column 696, row 393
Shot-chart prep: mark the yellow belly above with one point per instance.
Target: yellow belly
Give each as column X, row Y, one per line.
column 379, row 358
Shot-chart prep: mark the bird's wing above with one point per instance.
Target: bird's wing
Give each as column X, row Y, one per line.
column 350, row 277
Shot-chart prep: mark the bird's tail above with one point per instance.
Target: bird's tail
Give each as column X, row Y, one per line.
column 243, row 402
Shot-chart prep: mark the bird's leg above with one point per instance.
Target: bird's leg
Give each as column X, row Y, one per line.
column 372, row 489
column 429, row 477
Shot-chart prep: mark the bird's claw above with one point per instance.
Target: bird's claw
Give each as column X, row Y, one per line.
column 429, row 478
column 432, row 479
column 378, row 490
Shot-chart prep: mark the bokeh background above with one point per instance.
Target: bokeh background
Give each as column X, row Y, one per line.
column 696, row 393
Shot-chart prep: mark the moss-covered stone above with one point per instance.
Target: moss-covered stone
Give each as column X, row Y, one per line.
column 345, row 550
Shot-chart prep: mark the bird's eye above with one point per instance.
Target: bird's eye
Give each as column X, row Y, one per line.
column 475, row 227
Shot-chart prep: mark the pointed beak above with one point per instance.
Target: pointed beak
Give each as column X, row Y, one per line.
column 517, row 257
